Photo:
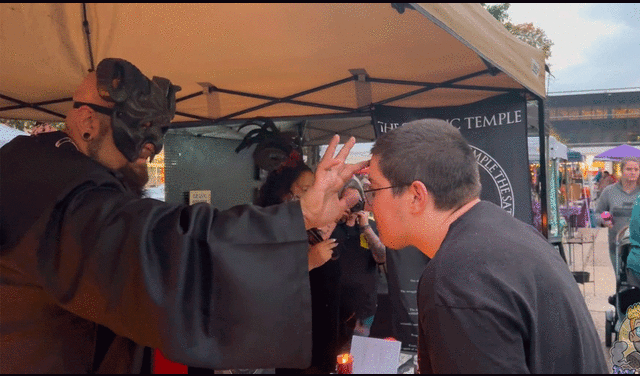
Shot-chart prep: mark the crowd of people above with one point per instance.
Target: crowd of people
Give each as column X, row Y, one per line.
column 94, row 276
column 604, row 179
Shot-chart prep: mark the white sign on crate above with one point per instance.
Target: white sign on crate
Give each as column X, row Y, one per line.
column 199, row 196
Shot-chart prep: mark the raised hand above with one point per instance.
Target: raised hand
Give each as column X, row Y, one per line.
column 321, row 205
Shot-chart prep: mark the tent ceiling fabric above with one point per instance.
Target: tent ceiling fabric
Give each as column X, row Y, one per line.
column 271, row 50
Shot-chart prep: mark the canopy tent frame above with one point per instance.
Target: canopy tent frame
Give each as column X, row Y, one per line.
column 35, row 106
column 510, row 62
column 425, row 86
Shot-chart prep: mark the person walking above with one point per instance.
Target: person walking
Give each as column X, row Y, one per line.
column 618, row 200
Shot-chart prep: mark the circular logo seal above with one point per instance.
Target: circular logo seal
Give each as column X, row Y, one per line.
column 625, row 355
column 496, row 173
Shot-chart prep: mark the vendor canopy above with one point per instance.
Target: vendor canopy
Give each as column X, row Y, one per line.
column 616, row 154
column 284, row 61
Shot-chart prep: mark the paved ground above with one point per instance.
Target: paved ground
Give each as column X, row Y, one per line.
column 594, row 258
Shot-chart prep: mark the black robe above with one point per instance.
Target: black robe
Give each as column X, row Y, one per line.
column 90, row 274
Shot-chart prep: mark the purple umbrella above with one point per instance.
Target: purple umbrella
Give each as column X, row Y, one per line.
column 617, row 153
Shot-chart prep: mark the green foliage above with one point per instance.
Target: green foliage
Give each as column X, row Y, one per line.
column 534, row 36
column 526, row 32
column 499, row 11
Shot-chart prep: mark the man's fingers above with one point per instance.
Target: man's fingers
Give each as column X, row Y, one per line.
column 331, row 243
column 342, row 154
column 350, row 169
column 328, row 154
column 330, row 164
column 331, row 149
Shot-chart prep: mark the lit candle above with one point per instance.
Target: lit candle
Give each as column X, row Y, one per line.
column 345, row 363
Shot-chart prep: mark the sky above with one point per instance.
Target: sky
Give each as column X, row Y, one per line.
column 596, row 46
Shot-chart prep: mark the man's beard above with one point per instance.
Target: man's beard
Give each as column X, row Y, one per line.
column 135, row 176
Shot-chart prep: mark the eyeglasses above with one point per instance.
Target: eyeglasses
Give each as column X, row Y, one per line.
column 369, row 194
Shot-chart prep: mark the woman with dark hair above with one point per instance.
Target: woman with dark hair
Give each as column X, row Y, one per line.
column 285, row 184
column 288, row 183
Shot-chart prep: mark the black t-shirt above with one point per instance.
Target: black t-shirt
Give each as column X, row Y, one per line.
column 498, row 298
column 358, row 272
column 338, row 289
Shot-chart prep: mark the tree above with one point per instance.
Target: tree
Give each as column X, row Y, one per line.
column 498, row 11
column 526, row 32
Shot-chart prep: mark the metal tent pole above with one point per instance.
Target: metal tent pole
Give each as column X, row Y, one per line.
column 543, row 169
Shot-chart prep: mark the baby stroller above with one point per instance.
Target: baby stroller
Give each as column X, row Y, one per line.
column 626, row 293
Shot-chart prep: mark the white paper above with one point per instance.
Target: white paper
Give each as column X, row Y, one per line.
column 374, row 355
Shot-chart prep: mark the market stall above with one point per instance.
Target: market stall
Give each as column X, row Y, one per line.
column 557, row 155
column 319, row 69
column 318, row 66
column 617, row 153
column 576, row 201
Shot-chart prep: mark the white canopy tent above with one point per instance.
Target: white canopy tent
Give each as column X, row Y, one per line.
column 557, row 150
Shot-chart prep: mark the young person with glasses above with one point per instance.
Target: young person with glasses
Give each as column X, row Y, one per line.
column 495, row 297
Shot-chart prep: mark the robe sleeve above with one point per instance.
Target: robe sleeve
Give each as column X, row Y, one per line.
column 215, row 289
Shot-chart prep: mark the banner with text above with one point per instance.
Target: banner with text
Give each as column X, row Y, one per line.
column 496, row 130
column 404, row 268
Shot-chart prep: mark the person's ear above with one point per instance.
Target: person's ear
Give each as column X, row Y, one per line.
column 420, row 198
column 89, row 123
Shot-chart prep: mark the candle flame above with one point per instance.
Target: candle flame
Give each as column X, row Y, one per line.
column 344, row 358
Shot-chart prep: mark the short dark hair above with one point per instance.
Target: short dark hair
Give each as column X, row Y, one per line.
column 433, row 152
column 279, row 183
